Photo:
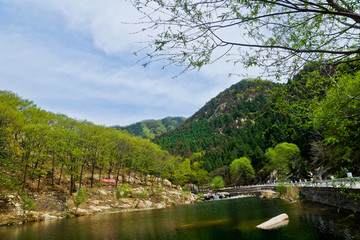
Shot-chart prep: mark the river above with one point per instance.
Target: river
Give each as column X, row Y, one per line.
column 224, row 219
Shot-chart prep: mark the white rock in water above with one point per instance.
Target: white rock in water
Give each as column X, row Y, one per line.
column 275, row 222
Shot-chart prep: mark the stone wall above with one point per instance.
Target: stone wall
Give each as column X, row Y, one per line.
column 346, row 199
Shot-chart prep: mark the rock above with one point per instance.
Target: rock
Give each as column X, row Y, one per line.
column 96, row 202
column 160, row 205
column 47, row 216
column 179, row 188
column 275, row 222
column 127, row 203
column 167, row 183
column 223, row 194
column 269, row 194
column 103, row 192
column 81, row 212
column 144, row 204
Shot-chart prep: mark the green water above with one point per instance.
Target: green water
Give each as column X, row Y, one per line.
column 229, row 219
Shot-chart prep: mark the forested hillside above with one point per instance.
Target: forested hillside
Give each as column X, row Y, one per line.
column 317, row 111
column 238, row 122
column 149, row 129
column 40, row 150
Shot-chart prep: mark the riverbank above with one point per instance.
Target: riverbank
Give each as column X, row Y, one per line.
column 52, row 205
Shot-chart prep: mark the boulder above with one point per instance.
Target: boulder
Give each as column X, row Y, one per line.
column 269, row 194
column 102, row 192
column 275, row 222
column 167, row 183
column 144, row 204
column 160, row 205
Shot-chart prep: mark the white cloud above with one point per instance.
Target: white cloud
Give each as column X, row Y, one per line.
column 83, row 86
column 51, row 69
column 103, row 20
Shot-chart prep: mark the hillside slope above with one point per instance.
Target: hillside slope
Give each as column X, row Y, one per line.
column 149, row 129
column 238, row 122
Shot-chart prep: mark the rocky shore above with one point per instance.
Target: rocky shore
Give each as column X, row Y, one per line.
column 49, row 205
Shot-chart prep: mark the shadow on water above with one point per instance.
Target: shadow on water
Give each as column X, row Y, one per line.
column 229, row 219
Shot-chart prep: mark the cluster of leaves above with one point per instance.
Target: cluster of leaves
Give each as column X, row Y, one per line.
column 37, row 145
column 324, row 102
column 242, row 172
column 123, row 191
column 143, row 195
column 149, row 129
column 280, row 36
column 79, row 199
column 217, row 183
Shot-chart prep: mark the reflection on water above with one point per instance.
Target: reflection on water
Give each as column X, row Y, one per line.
column 230, row 219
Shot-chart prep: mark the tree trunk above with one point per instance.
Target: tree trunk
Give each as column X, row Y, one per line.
column 71, row 180
column 117, row 176
column 24, row 180
column 81, row 173
column 61, row 170
column 92, row 175
column 100, row 175
column 38, row 186
column 52, row 171
column 129, row 173
column 109, row 172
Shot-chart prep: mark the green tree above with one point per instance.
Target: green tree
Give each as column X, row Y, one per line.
column 79, row 199
column 337, row 117
column 241, row 171
column 183, row 173
column 283, row 158
column 276, row 35
column 217, row 183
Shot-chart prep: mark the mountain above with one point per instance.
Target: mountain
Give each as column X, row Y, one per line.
column 238, row 122
column 149, row 129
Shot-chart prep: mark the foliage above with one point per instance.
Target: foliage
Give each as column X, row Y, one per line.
column 150, row 129
column 200, row 196
column 37, row 145
column 217, row 183
column 279, row 36
column 79, row 199
column 143, row 195
column 337, row 116
column 26, row 203
column 242, row 171
column 280, row 188
column 234, row 124
column 284, row 158
column 123, row 191
column 292, row 193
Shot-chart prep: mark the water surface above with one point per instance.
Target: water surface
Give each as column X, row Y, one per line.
column 229, row 219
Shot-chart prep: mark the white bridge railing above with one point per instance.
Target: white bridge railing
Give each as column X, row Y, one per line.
column 353, row 182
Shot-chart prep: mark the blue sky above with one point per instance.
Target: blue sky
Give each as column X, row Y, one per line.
column 75, row 57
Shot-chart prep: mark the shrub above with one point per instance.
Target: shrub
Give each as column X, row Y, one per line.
column 143, row 195
column 123, row 191
column 217, row 183
column 281, row 189
column 292, row 192
column 26, row 203
column 79, row 198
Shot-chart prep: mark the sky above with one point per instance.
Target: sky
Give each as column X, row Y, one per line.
column 76, row 57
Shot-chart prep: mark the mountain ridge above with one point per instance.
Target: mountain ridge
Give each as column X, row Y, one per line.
column 151, row 128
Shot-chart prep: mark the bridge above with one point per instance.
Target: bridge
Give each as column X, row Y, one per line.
column 343, row 192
